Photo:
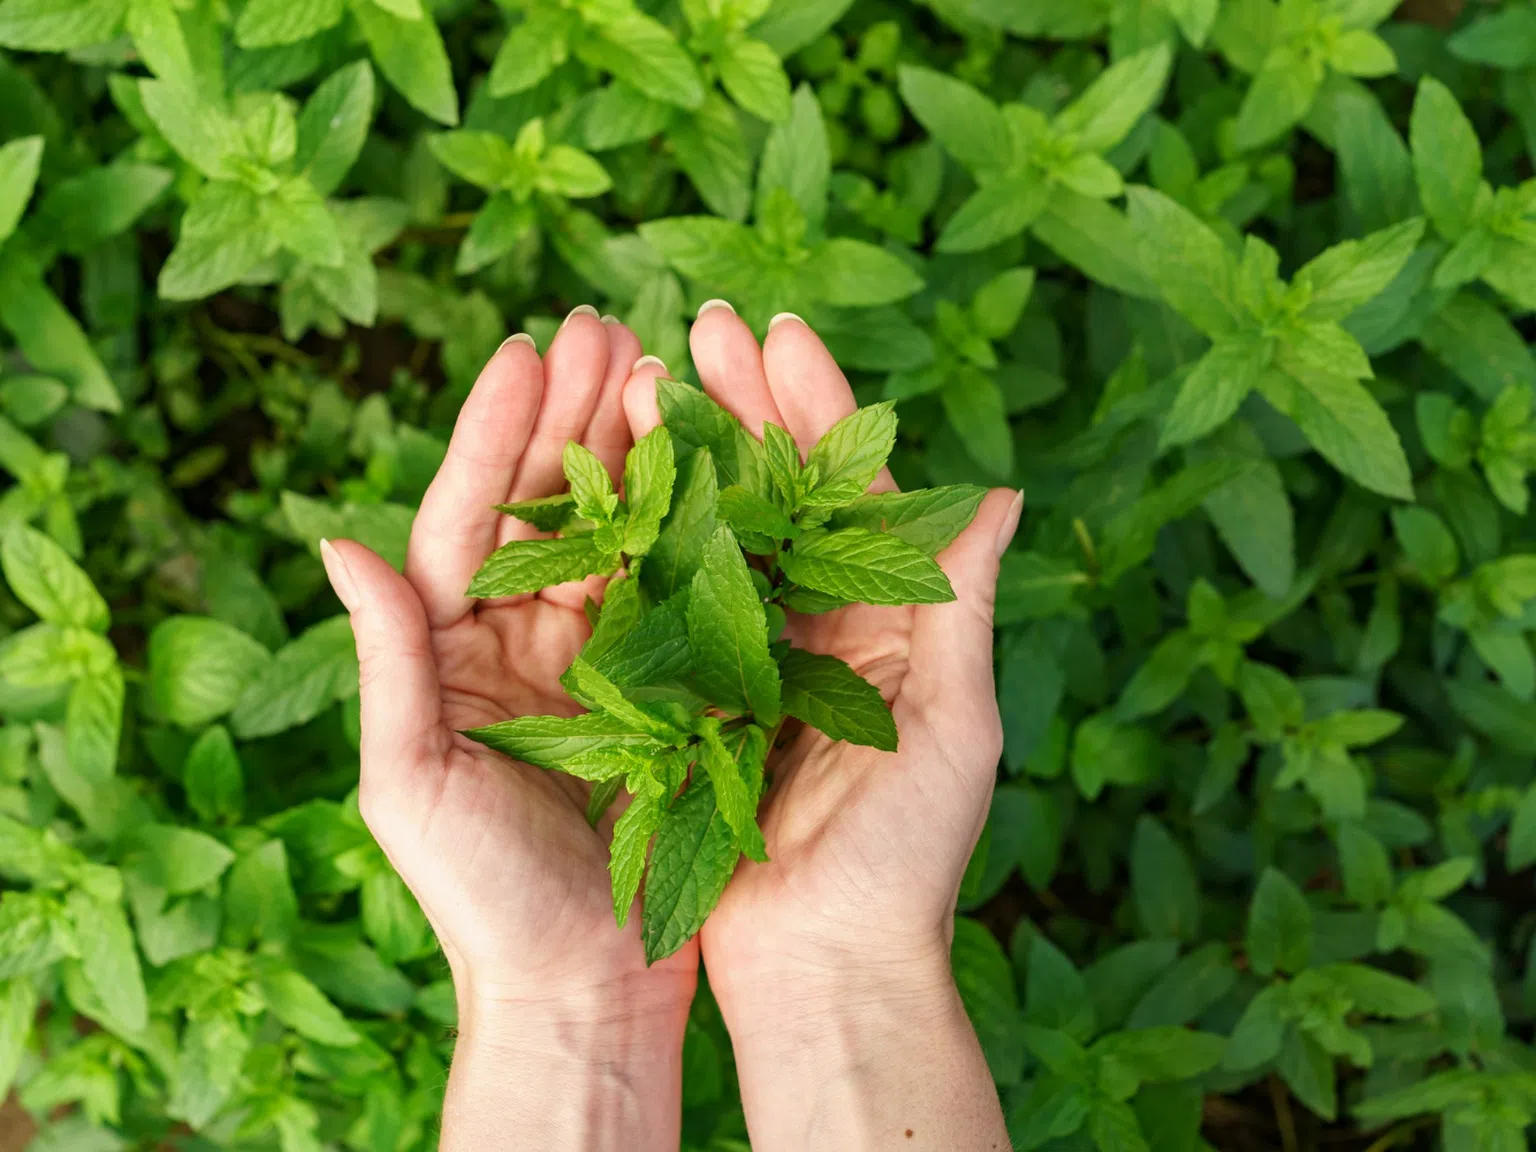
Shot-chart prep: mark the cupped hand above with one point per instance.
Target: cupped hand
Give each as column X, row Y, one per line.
column 866, row 848
column 498, row 853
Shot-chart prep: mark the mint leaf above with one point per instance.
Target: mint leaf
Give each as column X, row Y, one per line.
column 1279, row 926
column 269, row 23
column 1211, row 393
column 595, row 690
column 632, row 834
column 730, row 770
column 199, row 667
column 1193, row 270
column 548, row 741
column 591, row 486
column 750, row 71
column 1447, row 159
column 759, row 524
column 968, row 125
column 546, row 513
column 46, row 580
column 830, row 696
column 692, row 859
column 849, row 457
column 19, row 161
column 929, row 519
column 411, row 55
column 654, row 651
column 306, row 677
column 641, row 52
column 1347, row 426
column 871, row 567
column 696, row 421
column 213, row 778
column 796, row 159
column 689, row 525
column 853, row 274
column 649, row 476
column 728, row 634
column 1110, row 107
column 1355, row 271
column 303, row 1007
column 524, row 566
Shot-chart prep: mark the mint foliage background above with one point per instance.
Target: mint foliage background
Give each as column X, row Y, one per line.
column 1239, row 291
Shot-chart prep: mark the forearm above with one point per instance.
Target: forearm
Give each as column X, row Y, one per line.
column 584, row 1076
column 883, row 1058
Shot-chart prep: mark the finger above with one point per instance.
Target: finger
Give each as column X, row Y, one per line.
column 730, row 366
column 607, row 437
column 455, row 528
column 808, row 387
column 574, row 369
column 951, row 653
column 402, row 724
column 607, row 434
column 640, row 406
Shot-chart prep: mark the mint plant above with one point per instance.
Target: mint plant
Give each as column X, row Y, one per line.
column 687, row 677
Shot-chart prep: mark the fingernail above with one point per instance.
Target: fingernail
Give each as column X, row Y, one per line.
column 783, row 316
column 340, row 575
column 610, row 319
column 520, row 338
column 711, row 305
column 647, row 362
column 579, row 310
column 1010, row 525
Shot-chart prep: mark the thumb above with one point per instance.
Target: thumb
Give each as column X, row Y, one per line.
column 401, row 701
column 951, row 656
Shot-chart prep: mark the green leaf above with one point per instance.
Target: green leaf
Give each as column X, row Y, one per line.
column 871, row 567
column 1447, row 159
column 759, row 524
column 1279, row 926
column 1428, row 543
column 850, row 455
column 1158, row 1055
column 213, row 778
column 199, row 667
column 591, row 486
column 411, row 56
column 524, row 566
column 978, row 411
column 1107, row 111
column 690, row 524
column 1191, row 267
column 1211, row 393
column 58, row 25
column 1353, row 272
column 80, row 213
column 1347, row 426
column 1501, row 39
column 306, row 676
column 567, row 171
column 259, row 901
column 696, row 421
column 796, row 158
column 692, row 858
column 1163, row 881
column 827, row 694
column 531, row 51
column 966, row 123
column 751, row 73
column 303, row 1007
column 485, row 159
column 46, row 580
column 929, row 519
column 998, row 211
column 731, row 768
column 853, row 274
column 650, row 474
column 712, row 151
column 1280, row 95
column 224, row 234
column 641, row 52
column 18, row 1010
column 179, row 860
column 334, row 125
column 548, row 741
column 632, row 834
column 269, row 23
column 108, row 960
column 1000, row 302
column 48, row 336
column 19, row 161
column 546, row 513
column 594, row 689
column 1260, row 1031
column 728, row 635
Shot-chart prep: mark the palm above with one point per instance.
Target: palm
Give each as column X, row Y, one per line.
column 499, row 854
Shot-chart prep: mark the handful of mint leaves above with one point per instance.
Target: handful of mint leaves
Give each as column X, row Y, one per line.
column 686, row 676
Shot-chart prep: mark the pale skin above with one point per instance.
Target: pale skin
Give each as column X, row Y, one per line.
column 831, row 961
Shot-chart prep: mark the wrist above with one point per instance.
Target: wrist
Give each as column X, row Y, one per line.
column 609, row 1053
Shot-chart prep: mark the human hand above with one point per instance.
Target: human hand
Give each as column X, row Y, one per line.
column 844, row 934
column 499, row 854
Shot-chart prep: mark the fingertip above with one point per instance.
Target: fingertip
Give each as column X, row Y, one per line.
column 640, row 404
column 807, row 385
